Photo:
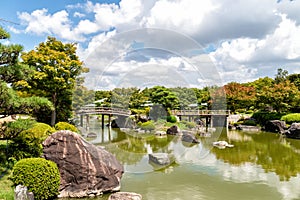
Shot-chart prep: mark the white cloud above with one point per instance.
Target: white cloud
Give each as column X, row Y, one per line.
column 252, row 38
column 78, row 14
column 243, row 58
column 185, row 16
column 40, row 22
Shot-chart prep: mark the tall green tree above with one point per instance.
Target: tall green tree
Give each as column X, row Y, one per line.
column 56, row 68
column 280, row 97
column 164, row 96
column 11, row 103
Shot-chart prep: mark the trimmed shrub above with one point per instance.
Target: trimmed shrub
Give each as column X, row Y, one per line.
column 29, row 142
column 263, row 117
column 65, row 126
column 291, row 118
column 148, row 126
column 171, row 119
column 41, row 177
column 249, row 122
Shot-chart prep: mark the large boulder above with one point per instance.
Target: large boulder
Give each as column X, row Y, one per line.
column 125, row 196
column 275, row 126
column 293, row 131
column 173, row 130
column 85, row 169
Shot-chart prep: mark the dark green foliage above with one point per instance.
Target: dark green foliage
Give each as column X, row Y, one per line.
column 163, row 96
column 171, row 119
column 11, row 103
column 249, row 122
column 41, row 176
column 263, row 117
column 291, row 118
column 29, row 142
column 65, row 126
column 10, row 130
column 148, row 126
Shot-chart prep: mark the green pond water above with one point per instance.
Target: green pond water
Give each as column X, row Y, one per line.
column 260, row 165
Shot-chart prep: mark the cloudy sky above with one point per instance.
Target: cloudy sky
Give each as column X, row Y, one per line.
column 165, row 42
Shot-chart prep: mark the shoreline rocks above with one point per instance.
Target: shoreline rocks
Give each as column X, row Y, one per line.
column 293, row 131
column 125, row 196
column 275, row 126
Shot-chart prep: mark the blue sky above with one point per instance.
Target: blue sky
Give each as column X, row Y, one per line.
column 140, row 43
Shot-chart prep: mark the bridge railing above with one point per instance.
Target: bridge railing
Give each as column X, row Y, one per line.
column 103, row 110
column 200, row 112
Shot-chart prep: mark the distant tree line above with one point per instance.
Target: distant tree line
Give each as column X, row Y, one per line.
column 279, row 94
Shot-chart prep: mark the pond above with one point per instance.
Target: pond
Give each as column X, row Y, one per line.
column 261, row 165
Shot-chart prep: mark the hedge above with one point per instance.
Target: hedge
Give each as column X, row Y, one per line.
column 148, row 126
column 65, row 126
column 263, row 117
column 41, row 177
column 291, row 118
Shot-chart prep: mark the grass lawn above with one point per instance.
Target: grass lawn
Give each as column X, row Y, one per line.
column 6, row 191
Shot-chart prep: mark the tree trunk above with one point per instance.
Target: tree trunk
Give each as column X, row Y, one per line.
column 53, row 114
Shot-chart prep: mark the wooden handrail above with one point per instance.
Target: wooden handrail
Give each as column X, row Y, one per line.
column 200, row 112
column 103, row 110
column 120, row 111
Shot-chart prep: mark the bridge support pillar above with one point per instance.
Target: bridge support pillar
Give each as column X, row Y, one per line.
column 81, row 120
column 109, row 120
column 102, row 121
column 87, row 122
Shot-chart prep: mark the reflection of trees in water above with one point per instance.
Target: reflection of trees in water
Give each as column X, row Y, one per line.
column 132, row 147
column 272, row 152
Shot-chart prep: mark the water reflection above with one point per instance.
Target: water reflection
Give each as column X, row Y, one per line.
column 264, row 162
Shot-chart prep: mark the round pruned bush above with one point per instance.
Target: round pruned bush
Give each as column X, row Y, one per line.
column 65, row 126
column 291, row 118
column 148, row 126
column 41, row 177
column 171, row 119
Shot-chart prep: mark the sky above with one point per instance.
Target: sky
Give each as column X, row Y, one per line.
column 142, row 43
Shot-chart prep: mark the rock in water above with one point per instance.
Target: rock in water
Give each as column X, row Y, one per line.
column 125, row 196
column 22, row 193
column 173, row 130
column 275, row 126
column 159, row 158
column 187, row 137
column 293, row 131
column 85, row 169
